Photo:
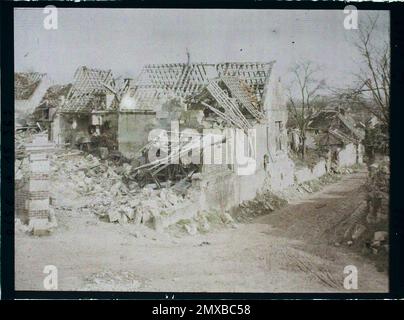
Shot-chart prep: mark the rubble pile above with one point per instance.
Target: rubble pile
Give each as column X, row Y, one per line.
column 263, row 203
column 110, row 190
column 316, row 184
column 204, row 221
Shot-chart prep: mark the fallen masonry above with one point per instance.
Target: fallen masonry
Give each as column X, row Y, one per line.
column 182, row 142
column 109, row 191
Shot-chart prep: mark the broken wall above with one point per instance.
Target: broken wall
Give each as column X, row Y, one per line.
column 24, row 108
column 133, row 130
column 225, row 190
column 108, row 123
column 281, row 173
column 221, row 188
column 349, row 155
column 306, row 174
column 218, row 191
column 215, row 191
column 70, row 135
column 62, row 130
column 280, row 167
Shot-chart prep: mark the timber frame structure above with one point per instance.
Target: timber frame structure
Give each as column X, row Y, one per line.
column 25, row 84
column 89, row 89
column 157, row 82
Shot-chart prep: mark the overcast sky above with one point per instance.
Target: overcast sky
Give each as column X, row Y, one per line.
column 126, row 39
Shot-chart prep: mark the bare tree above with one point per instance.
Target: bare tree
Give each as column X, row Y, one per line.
column 304, row 97
column 374, row 76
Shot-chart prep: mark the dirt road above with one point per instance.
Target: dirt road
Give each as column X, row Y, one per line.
column 286, row 251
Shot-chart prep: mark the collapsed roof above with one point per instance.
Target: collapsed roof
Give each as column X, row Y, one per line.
column 233, row 101
column 339, row 126
column 52, row 101
column 157, row 82
column 53, row 95
column 25, row 84
column 90, row 89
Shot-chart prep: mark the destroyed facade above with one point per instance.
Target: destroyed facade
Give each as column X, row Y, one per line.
column 29, row 89
column 90, row 110
column 197, row 113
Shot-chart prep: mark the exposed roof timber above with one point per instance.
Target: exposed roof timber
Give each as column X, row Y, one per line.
column 341, row 136
column 241, row 92
column 88, row 83
column 30, row 77
column 230, row 107
column 326, row 119
column 25, row 84
column 183, row 79
column 221, row 114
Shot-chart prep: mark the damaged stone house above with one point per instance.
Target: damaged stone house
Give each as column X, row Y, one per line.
column 203, row 109
column 334, row 132
column 89, row 114
column 29, row 89
column 195, row 137
column 45, row 113
column 196, row 97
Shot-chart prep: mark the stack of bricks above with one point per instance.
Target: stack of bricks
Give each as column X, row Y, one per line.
column 37, row 204
column 20, row 197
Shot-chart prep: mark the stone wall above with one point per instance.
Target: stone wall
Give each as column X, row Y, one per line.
column 225, row 190
column 280, row 167
column 281, row 173
column 350, row 155
column 306, row 174
column 218, row 191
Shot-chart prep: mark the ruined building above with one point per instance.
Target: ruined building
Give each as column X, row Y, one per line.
column 214, row 134
column 334, row 131
column 29, row 88
column 200, row 97
column 51, row 103
column 90, row 109
column 190, row 138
